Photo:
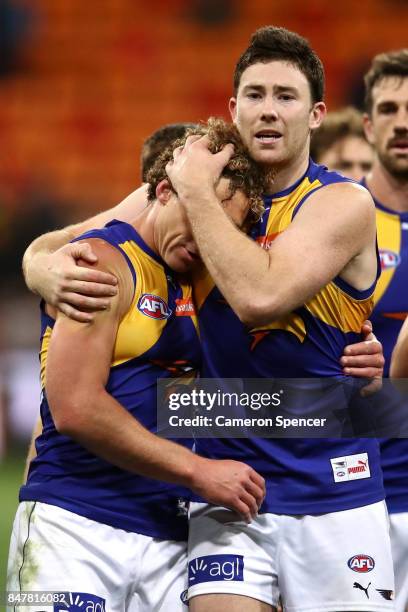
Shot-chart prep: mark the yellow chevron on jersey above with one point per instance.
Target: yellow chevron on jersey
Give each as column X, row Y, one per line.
column 389, row 234
column 203, row 284
column 284, row 206
column 337, row 308
column 291, row 322
column 137, row 333
column 332, row 306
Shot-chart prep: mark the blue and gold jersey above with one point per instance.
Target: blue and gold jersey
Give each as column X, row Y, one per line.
column 307, row 342
column 390, row 310
column 391, row 295
column 157, row 338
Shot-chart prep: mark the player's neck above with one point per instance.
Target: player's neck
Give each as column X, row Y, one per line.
column 144, row 224
column 287, row 174
column 387, row 189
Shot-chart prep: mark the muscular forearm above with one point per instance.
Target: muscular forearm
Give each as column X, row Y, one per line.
column 99, row 423
column 239, row 267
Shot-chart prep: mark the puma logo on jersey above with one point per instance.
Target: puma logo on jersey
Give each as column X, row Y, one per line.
column 351, row 467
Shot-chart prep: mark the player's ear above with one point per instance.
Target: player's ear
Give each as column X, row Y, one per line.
column 232, row 105
column 164, row 191
column 368, row 128
column 317, row 115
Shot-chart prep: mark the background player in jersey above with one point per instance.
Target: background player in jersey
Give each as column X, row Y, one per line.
column 386, row 125
column 92, row 520
column 319, row 260
column 340, row 144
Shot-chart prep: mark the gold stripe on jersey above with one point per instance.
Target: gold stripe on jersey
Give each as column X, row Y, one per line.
column 389, row 233
column 338, row 309
column 137, row 333
column 331, row 305
column 203, row 284
column 283, row 207
column 187, row 292
column 292, row 323
column 45, row 343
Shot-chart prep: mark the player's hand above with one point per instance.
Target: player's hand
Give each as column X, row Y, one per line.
column 365, row 360
column 231, row 484
column 75, row 290
column 194, row 170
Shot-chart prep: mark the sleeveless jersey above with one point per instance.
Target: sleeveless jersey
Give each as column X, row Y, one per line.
column 390, row 310
column 391, row 295
column 305, row 343
column 157, row 338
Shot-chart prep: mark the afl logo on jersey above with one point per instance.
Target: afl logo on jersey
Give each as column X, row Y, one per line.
column 389, row 259
column 153, row 306
column 361, row 564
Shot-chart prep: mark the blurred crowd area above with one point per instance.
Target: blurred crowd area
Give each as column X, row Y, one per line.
column 83, row 84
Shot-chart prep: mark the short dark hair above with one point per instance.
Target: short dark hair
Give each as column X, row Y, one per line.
column 242, row 171
column 158, row 141
column 336, row 126
column 393, row 63
column 271, row 43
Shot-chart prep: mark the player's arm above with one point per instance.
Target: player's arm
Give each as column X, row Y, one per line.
column 263, row 285
column 399, row 358
column 32, row 450
column 50, row 264
column 77, row 371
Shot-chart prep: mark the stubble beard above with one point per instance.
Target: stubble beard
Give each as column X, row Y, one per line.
column 398, row 170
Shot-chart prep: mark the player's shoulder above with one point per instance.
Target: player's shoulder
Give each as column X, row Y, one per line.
column 334, row 187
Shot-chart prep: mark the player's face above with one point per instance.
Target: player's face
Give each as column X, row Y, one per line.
column 274, row 112
column 352, row 156
column 174, row 238
column 387, row 128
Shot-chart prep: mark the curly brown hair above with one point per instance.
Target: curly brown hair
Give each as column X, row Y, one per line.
column 242, row 171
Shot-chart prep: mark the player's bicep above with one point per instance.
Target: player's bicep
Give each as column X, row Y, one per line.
column 322, row 239
column 80, row 354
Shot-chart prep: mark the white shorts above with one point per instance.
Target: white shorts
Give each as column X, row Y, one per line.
column 108, row 569
column 399, row 547
column 326, row 563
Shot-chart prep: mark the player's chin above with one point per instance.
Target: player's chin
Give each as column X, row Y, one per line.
column 267, row 157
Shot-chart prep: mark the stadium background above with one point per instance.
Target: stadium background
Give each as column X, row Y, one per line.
column 82, row 85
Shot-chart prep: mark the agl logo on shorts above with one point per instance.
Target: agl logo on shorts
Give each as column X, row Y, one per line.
column 81, row 602
column 361, row 563
column 216, row 567
column 153, row 306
